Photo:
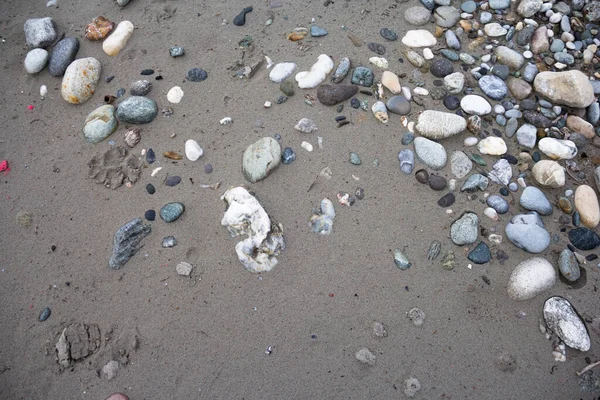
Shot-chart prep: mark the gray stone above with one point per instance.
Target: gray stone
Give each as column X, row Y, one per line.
column 593, row 113
column 501, row 71
column 529, row 72
column 527, row 135
column 99, row 124
column 406, row 158
column 524, row 36
column 564, row 58
column 568, row 265
column 501, row 172
column 454, row 83
column 527, row 8
column 137, row 110
column 80, row 80
column 439, row 125
column 557, row 45
column 430, row 153
column 35, row 61
column 562, row 319
column 499, row 4
column 570, row 88
column 480, row 254
column 140, row 88
column 460, row 164
column 510, row 57
column 176, row 51
column 127, row 242
column 465, row 229
column 493, row 87
column 62, row 56
column 362, row 76
column 527, row 232
column 317, row 31
column 485, row 17
column 511, row 127
column 417, row 15
column 468, row 6
column 170, row 212
column 446, row 16
column 452, row 40
column 40, row 32
column 260, row 158
column 441, row 67
column 498, row 203
column 475, row 182
column 533, row 199
column 398, row 105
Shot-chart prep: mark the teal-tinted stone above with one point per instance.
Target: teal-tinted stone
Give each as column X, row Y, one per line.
column 362, row 76
column 171, row 211
column 317, row 31
column 354, row 159
column 99, row 124
column 480, row 254
column 450, row 55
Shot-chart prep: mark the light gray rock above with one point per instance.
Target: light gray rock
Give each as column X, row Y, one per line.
column 530, row 72
column 446, row 16
column 475, row 182
column 99, row 124
column 527, row 231
column 417, row 15
column 501, row 172
column 137, row 110
column 365, row 356
column 465, row 229
column 62, row 56
column 452, row 40
column 80, row 80
column 460, row 164
column 568, row 265
column 439, row 125
column 40, row 32
column 454, row 83
column 528, row 8
column 527, row 135
column 510, row 57
column 127, row 242
column 260, row 159
column 570, row 88
column 562, row 319
column 430, row 153
column 36, row 60
column 493, row 87
column 530, row 278
column 498, row 203
column 533, row 199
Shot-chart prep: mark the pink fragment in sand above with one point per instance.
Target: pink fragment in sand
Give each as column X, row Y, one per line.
column 4, row 167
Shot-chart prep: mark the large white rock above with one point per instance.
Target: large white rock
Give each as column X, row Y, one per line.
column 282, row 71
column 80, row 80
column 475, row 105
column 118, row 39
column 557, row 149
column 586, row 202
column 439, row 125
column 549, row 173
column 570, row 88
column 492, row 145
column 530, row 278
column 193, row 151
column 419, row 38
column 317, row 73
column 561, row 318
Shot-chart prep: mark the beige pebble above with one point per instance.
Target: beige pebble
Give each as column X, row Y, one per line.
column 549, row 173
column 586, row 202
column 118, row 39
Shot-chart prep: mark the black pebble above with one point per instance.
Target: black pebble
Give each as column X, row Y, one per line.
column 451, row 102
column 536, row 156
column 591, row 257
column 150, row 188
column 159, row 78
column 173, row 181
column 282, row 99
column 447, row 200
column 376, row 48
column 340, row 118
column 340, row 107
column 45, row 314
column 196, row 75
column 109, row 78
column 510, row 158
column 147, row 72
column 422, row 176
column 150, row 215
column 354, row 103
column 359, row 193
column 240, row 19
column 504, row 191
column 150, row 156
column 208, row 168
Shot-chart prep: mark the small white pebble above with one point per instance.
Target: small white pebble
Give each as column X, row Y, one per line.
column 545, row 7
column 570, row 46
column 411, row 127
column 320, row 141
column 226, row 120
column 470, row 141
column 486, row 58
column 466, row 15
column 268, row 104
column 307, row 146
column 43, row 91
column 428, row 54
column 489, row 47
column 449, row 211
column 421, row 91
column 568, row 192
column 155, row 171
column 550, row 33
column 521, row 182
column 527, row 54
column 406, row 93
column 559, row 65
column 530, row 21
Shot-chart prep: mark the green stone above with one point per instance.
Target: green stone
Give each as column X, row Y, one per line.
column 100, row 124
column 449, row 54
column 171, row 211
column 478, row 159
column 448, row 262
column 362, row 76
column 354, row 159
column 287, row 87
column 260, row 158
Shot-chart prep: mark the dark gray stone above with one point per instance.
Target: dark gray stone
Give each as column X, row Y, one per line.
column 441, row 67
column 63, row 54
column 196, row 75
column 388, row 34
column 584, row 238
column 127, row 242
column 240, row 19
column 498, row 203
column 398, row 105
column 330, row 95
column 480, row 254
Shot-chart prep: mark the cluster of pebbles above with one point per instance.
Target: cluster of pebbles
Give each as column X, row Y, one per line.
column 517, row 79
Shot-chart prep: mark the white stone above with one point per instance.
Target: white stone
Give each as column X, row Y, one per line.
column 454, row 83
column 492, row 145
column 439, row 125
column 317, row 73
column 421, row 91
column 530, row 278
column 419, row 38
column 307, row 146
column 193, row 151
column 561, row 318
column 428, row 54
column 406, row 93
column 184, row 268
column 549, row 173
column 527, row 135
column 494, row 29
column 391, row 82
column 175, row 95
column 80, row 80
column 282, row 71
column 470, row 141
column 491, row 213
column 379, row 62
column 118, row 38
column 475, row 105
column 35, row 61
column 557, row 149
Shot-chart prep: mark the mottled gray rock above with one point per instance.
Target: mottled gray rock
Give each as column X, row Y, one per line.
column 527, row 135
column 465, row 229
column 127, row 242
column 446, row 16
column 36, row 60
column 406, row 158
column 527, row 231
column 501, row 172
column 260, row 158
column 398, row 105
column 439, row 125
column 562, row 319
column 40, row 32
column 527, row 8
column 460, row 164
column 510, row 57
column 475, row 182
column 417, row 15
column 568, row 265
column 533, row 199
column 430, row 153
column 529, row 72
column 498, row 203
column 137, row 110
column 530, row 278
column 140, row 88
column 62, row 56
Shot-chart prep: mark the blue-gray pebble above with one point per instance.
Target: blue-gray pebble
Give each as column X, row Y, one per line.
column 63, row 54
column 170, row 212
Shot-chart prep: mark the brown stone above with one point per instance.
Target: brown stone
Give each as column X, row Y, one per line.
column 581, row 126
column 519, row 88
column 539, row 40
column 99, row 28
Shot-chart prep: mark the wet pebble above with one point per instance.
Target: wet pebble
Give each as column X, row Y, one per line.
column 150, row 215
column 422, row 176
column 150, row 188
column 480, row 254
column 288, row 155
column 437, row 182
column 170, row 212
column 169, row 241
column 173, row 181
column 45, row 314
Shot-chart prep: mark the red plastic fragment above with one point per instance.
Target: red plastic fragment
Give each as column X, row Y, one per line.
column 4, row 167
column 30, row 107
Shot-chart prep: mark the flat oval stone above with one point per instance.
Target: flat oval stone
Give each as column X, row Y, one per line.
column 563, row 320
column 441, row 67
column 568, row 265
column 171, row 211
column 260, row 159
column 530, row 278
column 533, row 199
column 330, row 95
column 446, row 200
column 439, row 125
column 437, row 182
column 430, row 153
column 422, row 176
column 80, row 80
column 150, row 188
column 99, row 124
column 586, row 203
column 62, row 56
column 173, row 180
column 451, row 102
column 196, row 75
column 45, row 314
column 498, row 203
column 137, row 110
column 388, row 34
column 584, row 238
column 398, row 105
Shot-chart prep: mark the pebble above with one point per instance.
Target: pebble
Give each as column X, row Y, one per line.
column 174, row 95
column 406, row 158
column 569, row 88
column 533, row 199
column 441, row 67
column 170, row 212
column 127, row 241
column 527, row 135
column 501, row 172
column 317, row 31
column 118, row 38
column 494, row 29
column 317, row 73
column 282, row 71
column 150, row 156
column 365, row 356
column 446, row 200
column 80, row 80
column 557, row 149
column 510, row 57
column 62, row 56
column 475, row 105
column 460, row 164
column 391, row 82
column 411, row 387
column 530, row 278
column 437, row 182
column 376, row 48
column 549, row 173
column 422, row 176
column 150, row 188
column 362, row 76
column 99, row 124
column 330, row 95
column 568, row 265
column 581, row 126
column 388, row 34
column 150, row 215
column 454, row 82
column 470, row 141
column 398, row 105
column 563, row 320
column 446, row 16
column 499, row 204
column 240, row 19
column 117, row 396
column 184, row 268
column 140, row 88
column 474, row 182
column 417, row 15
column 36, row 60
column 288, row 155
column 452, row 40
column 465, row 229
column 439, row 125
column 260, row 159
column 45, row 314
column 527, row 231
column 208, row 169
column 341, row 71
column 430, row 153
column 480, row 254
column 492, row 145
column 287, row 87
column 173, row 180
column 306, row 125
column 586, row 203
column 40, row 32
column 584, row 238
column 176, row 51
column 451, row 102
column 493, row 87
column 401, row 260
column 196, row 75
column 419, row 38
column 137, row 110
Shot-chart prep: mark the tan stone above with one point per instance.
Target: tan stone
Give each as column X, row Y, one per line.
column 391, row 82
column 586, row 202
column 569, row 88
column 519, row 88
column 549, row 173
column 580, row 125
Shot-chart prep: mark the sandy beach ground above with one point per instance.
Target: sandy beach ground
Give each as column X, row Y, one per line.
column 205, row 337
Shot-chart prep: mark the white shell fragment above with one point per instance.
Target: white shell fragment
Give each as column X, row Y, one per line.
column 306, row 125
column 175, row 95
column 245, row 216
column 321, row 220
column 317, row 74
column 43, row 91
column 226, row 120
column 282, row 71
column 193, row 151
